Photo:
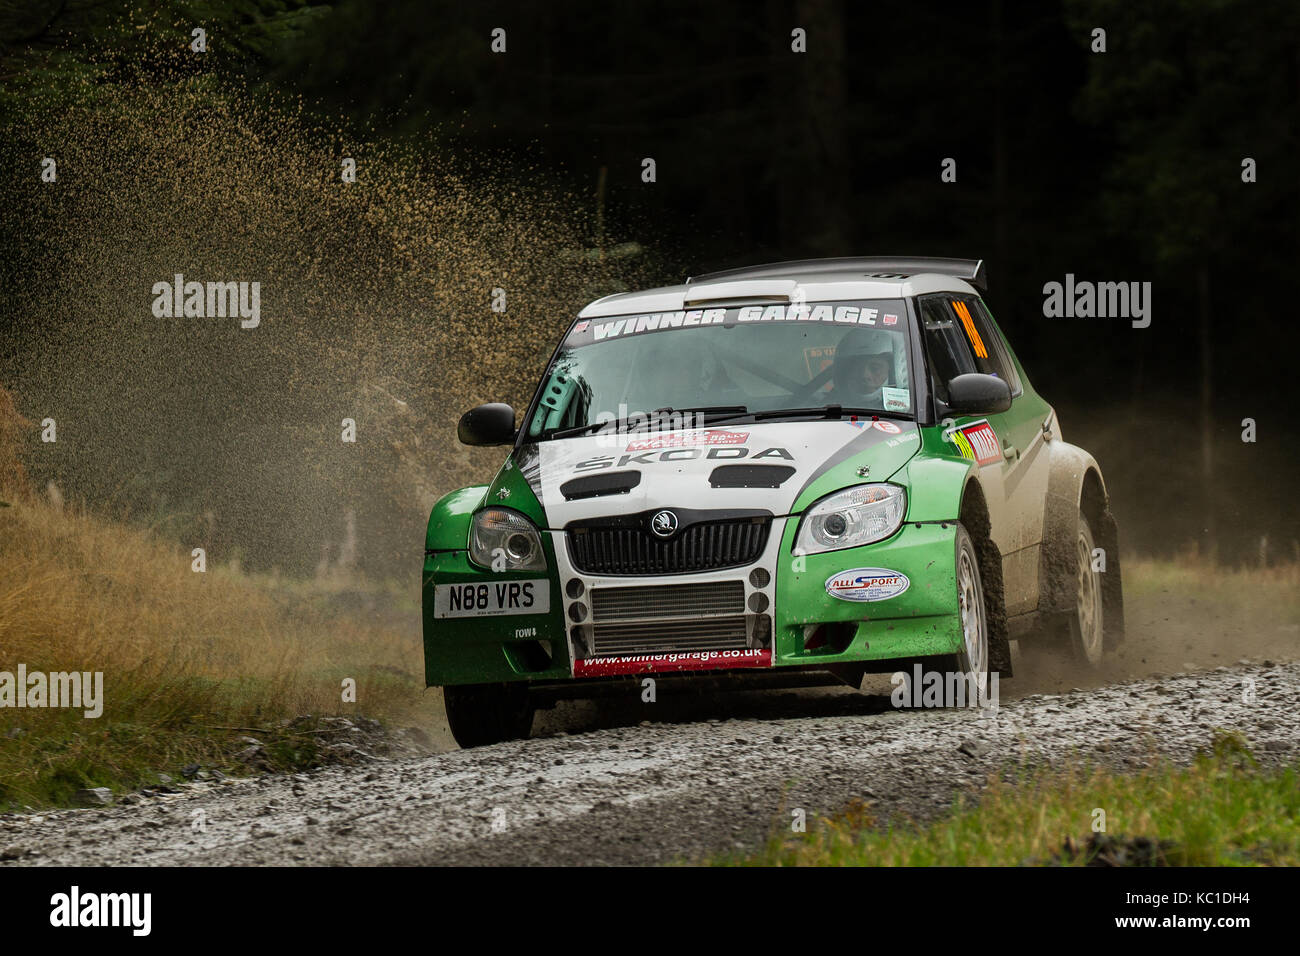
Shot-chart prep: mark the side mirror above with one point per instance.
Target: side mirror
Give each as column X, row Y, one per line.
column 975, row 394
column 491, row 424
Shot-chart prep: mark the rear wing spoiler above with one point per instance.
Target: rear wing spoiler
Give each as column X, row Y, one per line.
column 872, row 267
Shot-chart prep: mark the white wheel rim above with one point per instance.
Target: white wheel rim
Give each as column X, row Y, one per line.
column 974, row 632
column 1089, row 603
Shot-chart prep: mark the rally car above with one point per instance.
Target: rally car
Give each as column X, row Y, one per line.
column 780, row 475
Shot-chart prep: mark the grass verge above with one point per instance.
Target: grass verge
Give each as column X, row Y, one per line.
column 1223, row 810
column 189, row 660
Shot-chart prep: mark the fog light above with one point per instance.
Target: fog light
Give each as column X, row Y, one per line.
column 574, row 588
column 758, row 602
column 759, row 577
column 577, row 613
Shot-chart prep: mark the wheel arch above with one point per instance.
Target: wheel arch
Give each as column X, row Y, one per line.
column 1076, row 485
column 974, row 516
column 448, row 528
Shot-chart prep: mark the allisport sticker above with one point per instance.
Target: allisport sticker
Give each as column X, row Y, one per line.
column 867, row 584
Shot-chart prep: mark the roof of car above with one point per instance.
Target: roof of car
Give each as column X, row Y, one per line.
column 817, row 280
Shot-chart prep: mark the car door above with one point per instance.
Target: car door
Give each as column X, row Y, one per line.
column 1007, row 447
column 1025, row 466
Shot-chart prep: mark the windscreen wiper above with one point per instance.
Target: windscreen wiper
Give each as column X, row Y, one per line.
column 823, row 411
column 658, row 417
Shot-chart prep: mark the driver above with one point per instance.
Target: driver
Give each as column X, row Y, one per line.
column 864, row 364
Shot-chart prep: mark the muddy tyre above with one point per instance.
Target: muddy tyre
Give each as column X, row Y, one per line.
column 1086, row 625
column 482, row 714
column 972, row 661
column 1078, row 635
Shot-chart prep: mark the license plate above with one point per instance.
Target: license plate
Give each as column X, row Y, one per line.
column 492, row 598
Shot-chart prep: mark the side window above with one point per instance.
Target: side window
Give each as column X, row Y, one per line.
column 997, row 345
column 960, row 340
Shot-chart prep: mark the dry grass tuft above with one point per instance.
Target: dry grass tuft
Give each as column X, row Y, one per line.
column 183, row 654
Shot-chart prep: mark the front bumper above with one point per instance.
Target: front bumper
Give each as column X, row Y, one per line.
column 723, row 619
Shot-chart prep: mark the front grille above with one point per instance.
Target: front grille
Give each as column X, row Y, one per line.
column 637, row 637
column 704, row 546
column 668, row 618
column 668, row 600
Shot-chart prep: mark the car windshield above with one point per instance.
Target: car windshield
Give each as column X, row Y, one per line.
column 644, row 371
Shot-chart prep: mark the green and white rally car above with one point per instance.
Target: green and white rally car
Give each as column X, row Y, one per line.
column 781, row 475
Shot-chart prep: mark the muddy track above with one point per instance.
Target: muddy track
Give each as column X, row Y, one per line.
column 660, row 792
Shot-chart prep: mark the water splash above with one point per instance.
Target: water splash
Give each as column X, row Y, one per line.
column 376, row 306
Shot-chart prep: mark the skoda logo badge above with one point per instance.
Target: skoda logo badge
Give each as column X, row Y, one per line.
column 664, row 524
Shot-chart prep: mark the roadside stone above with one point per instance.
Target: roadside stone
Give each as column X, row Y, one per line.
column 249, row 755
column 94, row 797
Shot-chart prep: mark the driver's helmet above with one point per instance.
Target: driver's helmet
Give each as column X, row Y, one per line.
column 864, row 363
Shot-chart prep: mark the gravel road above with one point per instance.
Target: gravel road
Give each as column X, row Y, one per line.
column 659, row 792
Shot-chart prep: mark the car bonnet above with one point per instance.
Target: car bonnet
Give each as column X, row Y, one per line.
column 763, row 466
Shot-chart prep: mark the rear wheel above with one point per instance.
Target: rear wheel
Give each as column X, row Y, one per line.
column 1078, row 634
column 972, row 661
column 1086, row 627
column 482, row 714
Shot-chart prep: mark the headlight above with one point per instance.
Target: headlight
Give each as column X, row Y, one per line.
column 852, row 517
column 505, row 540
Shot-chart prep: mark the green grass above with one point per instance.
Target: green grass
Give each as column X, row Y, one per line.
column 1223, row 810
column 185, row 657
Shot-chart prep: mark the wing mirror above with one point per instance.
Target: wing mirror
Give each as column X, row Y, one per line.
column 490, row 424
column 976, row 394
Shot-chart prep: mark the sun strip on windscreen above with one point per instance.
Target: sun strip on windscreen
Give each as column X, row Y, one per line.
column 971, row 332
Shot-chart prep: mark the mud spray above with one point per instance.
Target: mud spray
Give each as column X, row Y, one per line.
column 376, row 305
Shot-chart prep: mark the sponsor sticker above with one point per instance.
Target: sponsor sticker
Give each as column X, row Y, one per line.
column 896, row 399
column 818, row 358
column 889, row 428
column 836, row 314
column 492, row 598
column 972, row 333
column 867, row 584
column 634, row 324
column 692, row 439
column 667, row 661
column 687, row 453
column 977, row 442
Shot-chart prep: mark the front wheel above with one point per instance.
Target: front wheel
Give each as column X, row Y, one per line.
column 971, row 663
column 482, row 714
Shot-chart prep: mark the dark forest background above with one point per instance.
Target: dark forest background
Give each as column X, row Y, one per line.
column 1117, row 166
